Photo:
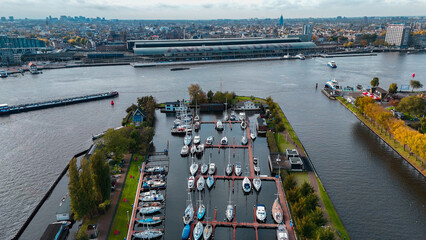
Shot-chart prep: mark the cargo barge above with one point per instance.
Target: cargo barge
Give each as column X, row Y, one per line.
column 5, row 109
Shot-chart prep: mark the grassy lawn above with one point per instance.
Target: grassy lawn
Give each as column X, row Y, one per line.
column 129, row 191
column 391, row 141
column 301, row 177
column 282, row 143
column 245, row 98
column 288, row 127
column 332, row 214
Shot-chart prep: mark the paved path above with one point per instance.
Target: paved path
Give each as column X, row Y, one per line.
column 106, row 219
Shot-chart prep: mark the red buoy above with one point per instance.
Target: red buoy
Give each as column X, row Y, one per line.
column 112, row 102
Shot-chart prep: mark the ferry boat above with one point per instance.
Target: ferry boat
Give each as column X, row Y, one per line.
column 333, row 84
column 332, row 64
column 33, row 68
column 3, row 74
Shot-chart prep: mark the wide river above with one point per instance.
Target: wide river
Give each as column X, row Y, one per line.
column 376, row 193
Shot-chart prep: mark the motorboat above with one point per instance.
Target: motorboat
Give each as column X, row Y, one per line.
column 184, row 151
column 149, row 221
column 219, row 125
column 210, row 181
column 209, row 140
column 260, row 212
column 198, row 231
column 144, row 194
column 155, row 169
column 208, row 231
column 242, row 116
column 224, row 141
column 255, row 160
column 243, row 124
column 191, row 182
column 300, row 56
column 228, row 169
column 277, row 211
column 253, row 136
column 233, row 116
column 244, row 140
column 153, row 198
column 201, row 211
column 3, row 74
column 246, row 185
column 282, row 233
column 197, row 139
column 150, row 184
column 237, row 169
column 148, row 234
column 200, row 149
column 149, row 204
column 193, row 149
column 333, row 84
column 212, row 168
column 257, row 183
column 189, row 211
column 204, row 168
column 149, row 210
column 197, row 126
column 229, row 212
column 186, row 231
column 332, row 64
column 193, row 168
column 187, row 139
column 200, row 183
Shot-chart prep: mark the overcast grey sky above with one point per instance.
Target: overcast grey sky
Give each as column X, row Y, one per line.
column 210, row 9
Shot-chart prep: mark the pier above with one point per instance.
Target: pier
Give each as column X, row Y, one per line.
column 6, row 110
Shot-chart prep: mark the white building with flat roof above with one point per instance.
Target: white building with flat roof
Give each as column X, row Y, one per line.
column 397, row 34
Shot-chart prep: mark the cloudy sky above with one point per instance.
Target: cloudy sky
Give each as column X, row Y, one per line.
column 210, row 9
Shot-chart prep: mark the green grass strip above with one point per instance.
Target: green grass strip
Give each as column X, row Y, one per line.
column 332, row 214
column 129, row 191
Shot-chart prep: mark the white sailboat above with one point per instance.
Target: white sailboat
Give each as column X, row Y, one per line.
column 191, row 182
column 189, row 211
column 212, row 166
column 224, row 141
column 198, row 231
column 184, row 151
column 201, row 209
column 257, row 183
column 237, row 169
column 197, row 139
column 200, row 183
column 260, row 212
column 219, row 125
column 210, row 181
column 229, row 168
column 208, row 229
column 193, row 168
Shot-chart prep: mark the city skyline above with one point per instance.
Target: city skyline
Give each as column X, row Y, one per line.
column 220, row 9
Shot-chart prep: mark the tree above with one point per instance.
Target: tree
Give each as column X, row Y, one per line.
column 305, row 228
column 362, row 102
column 363, row 43
column 423, row 124
column 100, row 176
column 289, row 182
column 196, row 94
column 415, row 84
column 306, row 189
column 210, row 96
column 86, row 185
column 74, row 189
column 374, row 82
column 317, row 217
column 393, row 88
column 325, row 233
column 116, row 142
column 413, row 105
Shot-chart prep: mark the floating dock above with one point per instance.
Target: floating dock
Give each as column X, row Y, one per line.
column 5, row 109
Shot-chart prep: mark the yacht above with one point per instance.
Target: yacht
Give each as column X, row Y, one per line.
column 228, row 169
column 187, row 139
column 149, row 221
column 197, row 139
column 189, row 211
column 149, row 210
column 200, row 149
column 246, row 185
column 198, row 231
column 332, row 64
column 277, row 212
column 208, row 230
column 229, row 212
column 193, row 149
column 282, row 233
column 210, row 181
column 237, row 169
column 184, row 151
column 219, row 125
column 204, row 168
column 200, row 183
column 212, row 168
column 148, row 234
column 257, row 183
column 333, row 84
column 201, row 211
column 191, row 181
column 260, row 212
column 209, row 140
column 193, row 168
column 224, row 141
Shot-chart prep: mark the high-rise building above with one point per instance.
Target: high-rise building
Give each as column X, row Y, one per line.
column 281, row 21
column 11, row 18
column 397, row 34
column 307, row 30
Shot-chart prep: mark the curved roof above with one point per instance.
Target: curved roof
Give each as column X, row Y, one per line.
column 223, row 48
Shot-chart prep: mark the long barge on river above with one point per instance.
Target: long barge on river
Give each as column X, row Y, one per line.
column 5, row 109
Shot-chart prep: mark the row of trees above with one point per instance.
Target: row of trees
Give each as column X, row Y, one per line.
column 275, row 115
column 90, row 187
column 405, row 135
column 308, row 216
column 197, row 95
